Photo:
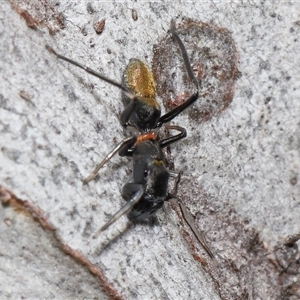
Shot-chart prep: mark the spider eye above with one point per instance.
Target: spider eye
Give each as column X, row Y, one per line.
column 146, row 173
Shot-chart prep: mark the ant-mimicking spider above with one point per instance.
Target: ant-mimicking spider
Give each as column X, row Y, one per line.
column 142, row 118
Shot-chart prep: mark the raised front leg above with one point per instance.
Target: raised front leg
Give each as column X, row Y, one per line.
column 127, row 207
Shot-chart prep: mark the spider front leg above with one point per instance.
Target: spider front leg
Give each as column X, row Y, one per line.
column 139, row 192
column 189, row 219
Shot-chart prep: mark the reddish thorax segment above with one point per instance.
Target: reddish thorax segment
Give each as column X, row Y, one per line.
column 147, row 136
column 139, row 79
